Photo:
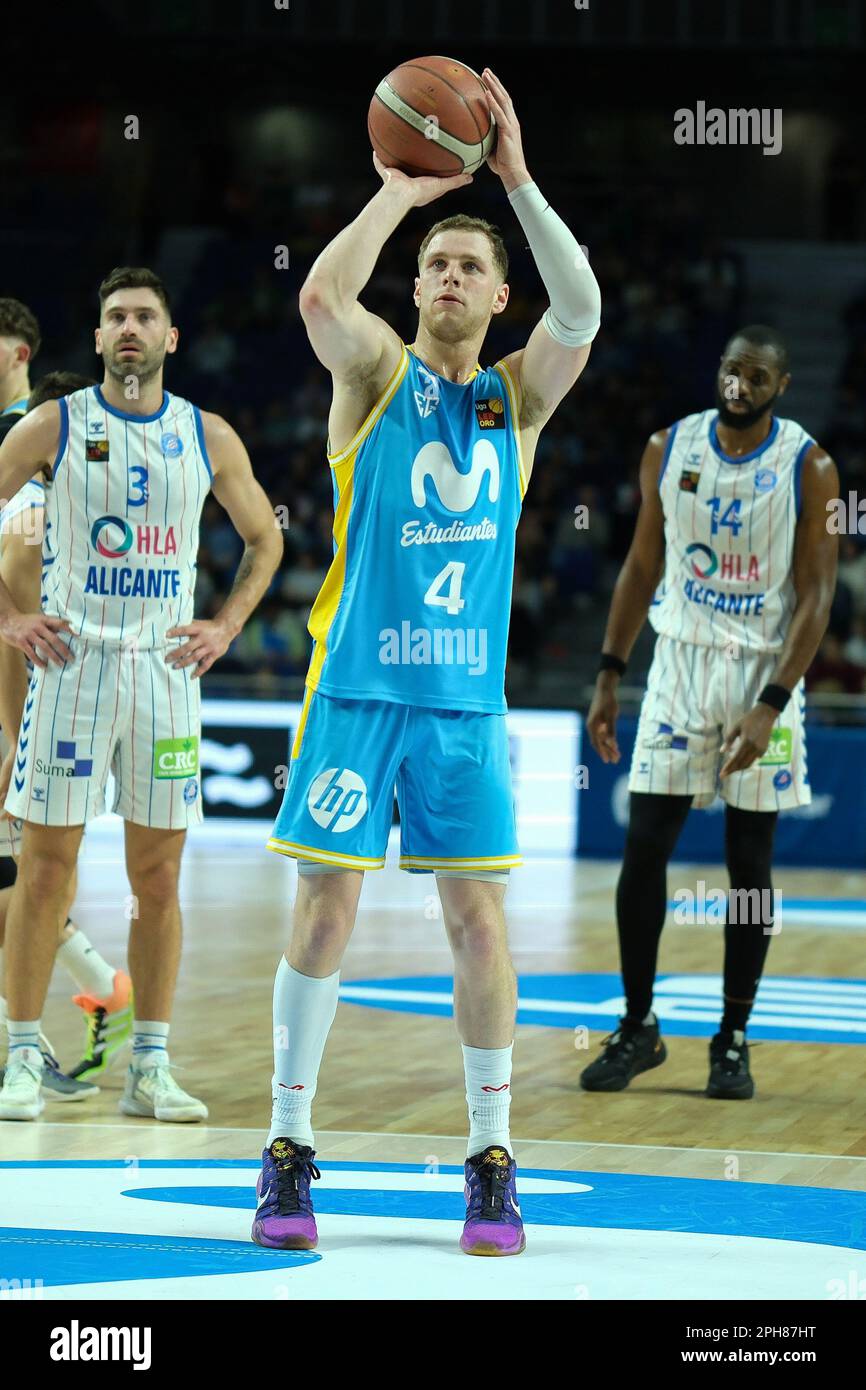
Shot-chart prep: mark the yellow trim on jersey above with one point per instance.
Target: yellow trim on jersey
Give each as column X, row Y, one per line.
column 328, row 598
column 514, row 400
column 380, row 406
column 302, row 724
column 322, row 856
column 493, row 861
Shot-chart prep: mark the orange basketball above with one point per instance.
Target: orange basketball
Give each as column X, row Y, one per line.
column 430, row 116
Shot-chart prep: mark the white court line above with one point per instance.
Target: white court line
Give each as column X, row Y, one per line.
column 459, row 1138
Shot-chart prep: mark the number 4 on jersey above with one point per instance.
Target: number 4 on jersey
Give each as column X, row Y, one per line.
column 451, row 602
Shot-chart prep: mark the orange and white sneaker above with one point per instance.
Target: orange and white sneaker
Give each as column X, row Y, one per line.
column 109, row 1028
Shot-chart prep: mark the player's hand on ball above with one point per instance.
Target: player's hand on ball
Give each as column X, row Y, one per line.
column 35, row 635
column 424, row 189
column 507, row 157
column 601, row 723
column 753, row 732
column 209, row 639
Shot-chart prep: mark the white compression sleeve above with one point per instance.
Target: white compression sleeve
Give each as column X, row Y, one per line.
column 574, row 316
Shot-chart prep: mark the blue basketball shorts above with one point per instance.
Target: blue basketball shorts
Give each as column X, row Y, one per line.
column 450, row 769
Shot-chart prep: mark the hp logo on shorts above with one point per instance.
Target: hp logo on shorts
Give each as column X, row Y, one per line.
column 338, row 799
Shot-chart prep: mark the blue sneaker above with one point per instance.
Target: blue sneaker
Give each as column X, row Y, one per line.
column 284, row 1218
column 493, row 1223
column 56, row 1085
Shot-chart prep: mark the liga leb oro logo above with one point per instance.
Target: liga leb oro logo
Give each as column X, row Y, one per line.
column 490, row 414
column 97, row 451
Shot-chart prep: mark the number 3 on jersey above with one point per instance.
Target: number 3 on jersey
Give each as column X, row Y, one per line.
column 138, row 490
column 451, row 602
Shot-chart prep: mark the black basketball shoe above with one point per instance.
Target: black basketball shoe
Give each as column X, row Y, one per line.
column 633, row 1048
column 730, row 1078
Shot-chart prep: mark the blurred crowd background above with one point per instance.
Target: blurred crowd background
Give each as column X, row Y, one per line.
column 686, row 245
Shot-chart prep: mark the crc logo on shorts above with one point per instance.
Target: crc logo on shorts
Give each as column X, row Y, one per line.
column 111, row 536
column 190, row 791
column 779, row 750
column 176, row 757
column 337, row 800
column 704, row 561
column 782, row 779
column 171, row 445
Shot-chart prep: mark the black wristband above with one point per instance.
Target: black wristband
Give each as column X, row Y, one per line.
column 609, row 662
column 776, row 696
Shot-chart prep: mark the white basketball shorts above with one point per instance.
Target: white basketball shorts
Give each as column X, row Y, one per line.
column 694, row 696
column 10, row 830
column 111, row 708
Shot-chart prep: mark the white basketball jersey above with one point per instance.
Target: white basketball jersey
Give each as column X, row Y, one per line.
column 122, row 517
column 18, row 513
column 729, row 535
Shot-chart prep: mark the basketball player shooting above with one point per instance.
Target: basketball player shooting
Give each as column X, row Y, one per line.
column 734, row 513
column 430, row 455
column 118, row 657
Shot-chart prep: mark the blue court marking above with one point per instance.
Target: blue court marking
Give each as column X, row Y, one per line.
column 787, row 1008
column 824, row 1216
column 700, row 1206
column 106, row 1257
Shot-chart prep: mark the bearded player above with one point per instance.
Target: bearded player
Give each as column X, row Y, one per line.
column 430, row 455
column 131, row 466
column 734, row 513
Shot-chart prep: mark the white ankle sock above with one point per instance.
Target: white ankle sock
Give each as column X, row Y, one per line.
column 85, row 966
column 24, row 1040
column 149, row 1043
column 488, row 1095
column 304, row 1009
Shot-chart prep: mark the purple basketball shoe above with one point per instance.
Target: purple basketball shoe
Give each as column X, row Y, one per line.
column 493, row 1225
column 284, row 1218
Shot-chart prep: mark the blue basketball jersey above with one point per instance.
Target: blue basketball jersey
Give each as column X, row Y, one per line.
column 427, row 495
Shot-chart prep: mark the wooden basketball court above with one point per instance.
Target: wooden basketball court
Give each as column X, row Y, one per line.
column 783, row 1174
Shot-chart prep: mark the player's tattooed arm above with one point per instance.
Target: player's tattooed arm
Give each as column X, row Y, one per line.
column 816, row 550
column 632, row 596
column 22, row 454
column 250, row 512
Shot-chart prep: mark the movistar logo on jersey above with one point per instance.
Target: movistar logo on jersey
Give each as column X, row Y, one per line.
column 458, row 492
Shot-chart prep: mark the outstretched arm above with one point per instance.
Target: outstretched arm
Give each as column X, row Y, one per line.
column 558, row 348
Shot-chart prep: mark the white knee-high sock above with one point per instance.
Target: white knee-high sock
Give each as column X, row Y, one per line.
column 488, row 1095
column 304, row 1009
